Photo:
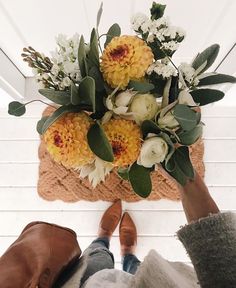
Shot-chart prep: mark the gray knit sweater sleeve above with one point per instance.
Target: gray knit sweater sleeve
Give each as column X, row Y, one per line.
column 211, row 245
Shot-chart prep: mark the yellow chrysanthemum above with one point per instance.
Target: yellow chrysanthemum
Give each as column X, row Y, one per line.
column 125, row 58
column 125, row 138
column 66, row 140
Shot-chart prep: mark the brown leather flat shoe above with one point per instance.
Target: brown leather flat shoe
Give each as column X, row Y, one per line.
column 128, row 235
column 110, row 220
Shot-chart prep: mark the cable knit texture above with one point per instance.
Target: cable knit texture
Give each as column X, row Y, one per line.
column 211, row 245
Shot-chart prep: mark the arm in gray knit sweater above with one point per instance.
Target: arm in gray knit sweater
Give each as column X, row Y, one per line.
column 210, row 237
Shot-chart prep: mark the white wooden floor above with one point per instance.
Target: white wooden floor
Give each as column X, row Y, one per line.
column 156, row 222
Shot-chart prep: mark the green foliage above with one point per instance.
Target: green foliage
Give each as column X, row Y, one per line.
column 148, row 126
column 56, row 115
column 82, row 58
column 157, row 10
column 93, row 54
column 40, row 124
column 87, row 92
column 123, row 173
column 74, row 94
column 206, row 58
column 191, row 136
column 206, row 96
column 186, row 117
column 142, row 87
column 58, row 97
column 99, row 14
column 113, row 31
column 95, row 73
column 180, row 166
column 16, row 108
column 140, row 180
column 216, row 79
column 99, row 143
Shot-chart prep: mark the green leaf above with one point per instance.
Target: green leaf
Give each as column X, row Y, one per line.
column 170, row 146
column 58, row 97
column 123, row 173
column 206, row 96
column 142, row 87
column 149, row 126
column 57, row 114
column 216, row 79
column 74, row 94
column 190, row 137
column 87, row 92
column 99, row 14
column 99, row 143
column 40, row 124
column 16, row 108
column 82, row 58
column 113, row 31
column 157, row 10
column 181, row 166
column 185, row 116
column 208, row 56
column 140, row 180
column 93, row 54
column 95, row 73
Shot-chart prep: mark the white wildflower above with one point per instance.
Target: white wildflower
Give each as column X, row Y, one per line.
column 62, row 40
column 66, row 82
column 161, row 69
column 137, row 20
column 188, row 73
column 150, row 38
column 171, row 45
column 55, row 69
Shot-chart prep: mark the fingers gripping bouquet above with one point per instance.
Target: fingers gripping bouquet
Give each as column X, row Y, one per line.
column 125, row 106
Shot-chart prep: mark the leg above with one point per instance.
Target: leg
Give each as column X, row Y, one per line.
column 98, row 255
column 130, row 263
column 128, row 242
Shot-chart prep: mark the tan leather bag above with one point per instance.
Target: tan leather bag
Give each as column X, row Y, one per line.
column 38, row 256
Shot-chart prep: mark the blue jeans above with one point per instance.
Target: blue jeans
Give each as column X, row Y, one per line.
column 99, row 258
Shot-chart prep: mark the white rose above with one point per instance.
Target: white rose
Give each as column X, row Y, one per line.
column 168, row 121
column 154, row 150
column 124, row 98
column 144, row 107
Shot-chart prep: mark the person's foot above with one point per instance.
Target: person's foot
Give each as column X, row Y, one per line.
column 110, row 220
column 128, row 235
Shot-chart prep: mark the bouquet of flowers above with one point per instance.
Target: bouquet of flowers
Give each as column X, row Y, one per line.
column 124, row 105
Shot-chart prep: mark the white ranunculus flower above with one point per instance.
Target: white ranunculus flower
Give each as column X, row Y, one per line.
column 124, row 98
column 168, row 121
column 154, row 150
column 144, row 107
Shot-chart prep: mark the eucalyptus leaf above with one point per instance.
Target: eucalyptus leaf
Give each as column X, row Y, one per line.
column 99, row 14
column 142, row 87
column 206, row 96
column 93, row 54
column 157, row 10
column 58, row 97
column 16, row 108
column 148, row 126
column 87, row 92
column 140, row 180
column 208, row 56
column 190, row 137
column 185, row 116
column 74, row 94
column 216, row 79
column 123, row 173
column 82, row 58
column 95, row 73
column 113, row 31
column 99, row 143
column 57, row 114
column 183, row 161
column 40, row 124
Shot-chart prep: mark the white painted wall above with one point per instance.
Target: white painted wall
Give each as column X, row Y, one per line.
column 20, row 204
